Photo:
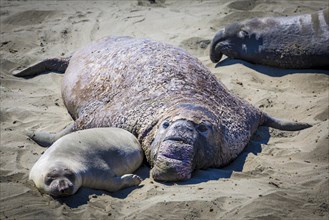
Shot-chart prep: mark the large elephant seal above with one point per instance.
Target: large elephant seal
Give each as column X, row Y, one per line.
column 184, row 118
column 287, row 42
column 99, row 158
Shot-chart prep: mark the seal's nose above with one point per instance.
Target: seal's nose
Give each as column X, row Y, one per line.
column 215, row 54
column 64, row 187
column 181, row 130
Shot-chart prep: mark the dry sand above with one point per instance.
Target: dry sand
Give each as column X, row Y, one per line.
column 281, row 175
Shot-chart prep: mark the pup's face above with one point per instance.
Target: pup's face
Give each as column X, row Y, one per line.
column 60, row 182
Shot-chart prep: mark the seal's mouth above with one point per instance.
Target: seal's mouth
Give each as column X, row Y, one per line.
column 61, row 188
column 216, row 56
column 181, row 140
column 173, row 138
column 174, row 161
column 181, row 170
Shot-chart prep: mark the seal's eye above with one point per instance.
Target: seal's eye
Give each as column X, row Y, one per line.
column 69, row 174
column 48, row 180
column 165, row 124
column 202, row 128
column 243, row 34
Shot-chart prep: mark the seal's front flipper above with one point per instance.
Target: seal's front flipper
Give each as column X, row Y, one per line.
column 122, row 182
column 45, row 139
column 116, row 183
column 54, row 64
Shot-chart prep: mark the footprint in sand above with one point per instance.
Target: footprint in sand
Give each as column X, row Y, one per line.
column 242, row 5
column 30, row 17
column 195, row 45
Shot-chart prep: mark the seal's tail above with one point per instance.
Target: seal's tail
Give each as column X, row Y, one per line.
column 283, row 124
column 53, row 64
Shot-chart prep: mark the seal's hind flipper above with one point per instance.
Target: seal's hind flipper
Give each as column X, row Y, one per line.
column 283, row 124
column 53, row 64
column 45, row 139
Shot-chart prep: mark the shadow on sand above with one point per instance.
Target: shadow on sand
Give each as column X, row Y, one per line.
column 270, row 71
column 260, row 137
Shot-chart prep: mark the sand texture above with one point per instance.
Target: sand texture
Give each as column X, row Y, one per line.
column 280, row 175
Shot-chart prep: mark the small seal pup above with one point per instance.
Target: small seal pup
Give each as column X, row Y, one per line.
column 99, row 158
column 298, row 42
column 184, row 118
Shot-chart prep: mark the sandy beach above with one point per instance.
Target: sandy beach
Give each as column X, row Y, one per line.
column 280, row 174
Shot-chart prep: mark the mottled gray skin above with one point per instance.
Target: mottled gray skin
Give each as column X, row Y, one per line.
column 287, row 42
column 184, row 118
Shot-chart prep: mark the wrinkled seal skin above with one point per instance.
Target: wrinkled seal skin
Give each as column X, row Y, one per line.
column 184, row 118
column 286, row 42
column 113, row 82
